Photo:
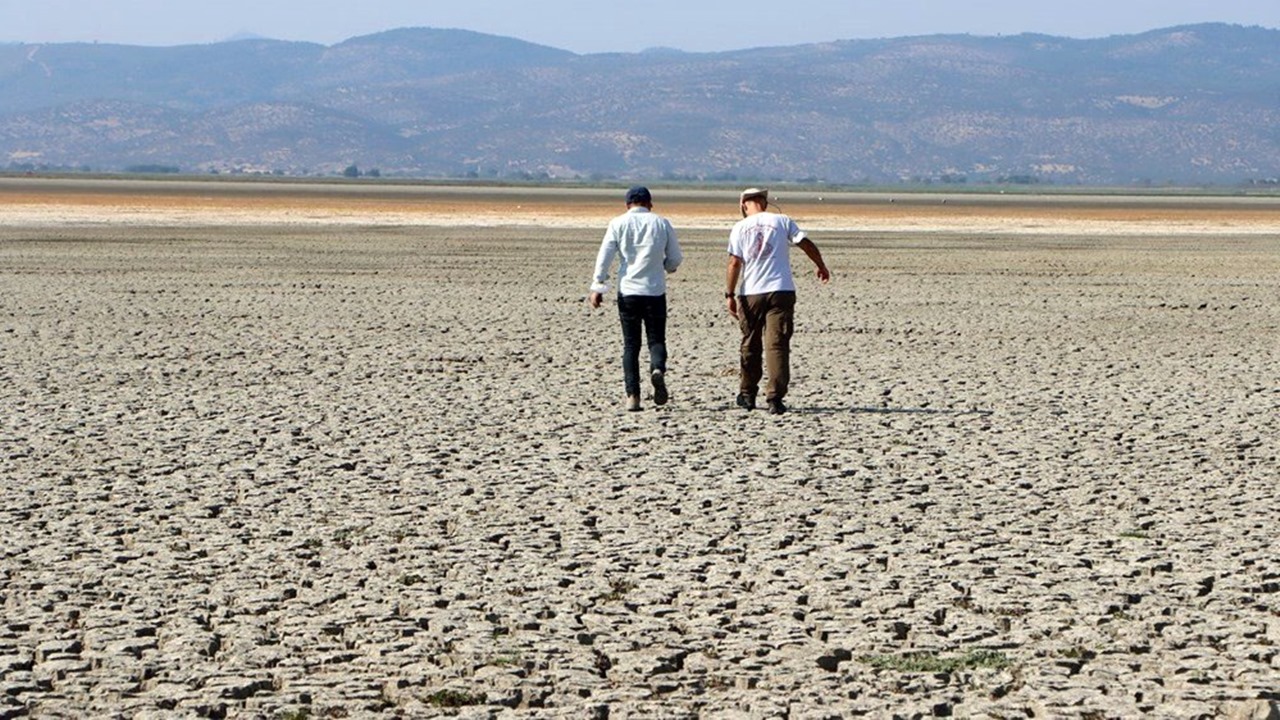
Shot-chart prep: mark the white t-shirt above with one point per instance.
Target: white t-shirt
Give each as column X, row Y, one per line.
column 762, row 241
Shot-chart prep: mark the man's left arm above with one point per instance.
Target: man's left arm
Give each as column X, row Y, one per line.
column 674, row 255
column 815, row 256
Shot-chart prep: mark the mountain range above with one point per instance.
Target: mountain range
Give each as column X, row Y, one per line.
column 1197, row 104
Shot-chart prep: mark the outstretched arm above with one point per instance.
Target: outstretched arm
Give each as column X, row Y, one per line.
column 816, row 256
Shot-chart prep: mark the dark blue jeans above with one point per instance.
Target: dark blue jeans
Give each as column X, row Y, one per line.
column 649, row 311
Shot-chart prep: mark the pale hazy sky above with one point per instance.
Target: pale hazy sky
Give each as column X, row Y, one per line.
column 590, row 26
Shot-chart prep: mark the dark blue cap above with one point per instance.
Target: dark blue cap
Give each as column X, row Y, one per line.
column 639, row 195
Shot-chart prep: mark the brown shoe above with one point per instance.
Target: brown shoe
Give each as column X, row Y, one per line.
column 633, row 403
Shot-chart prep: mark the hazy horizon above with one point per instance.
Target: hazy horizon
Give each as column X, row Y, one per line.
column 705, row 27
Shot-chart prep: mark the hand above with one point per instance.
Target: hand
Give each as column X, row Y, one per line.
column 731, row 304
column 595, row 300
column 824, row 275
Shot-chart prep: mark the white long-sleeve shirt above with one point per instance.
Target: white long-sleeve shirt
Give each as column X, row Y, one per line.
column 647, row 249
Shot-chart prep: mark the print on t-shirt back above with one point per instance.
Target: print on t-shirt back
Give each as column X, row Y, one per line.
column 761, row 244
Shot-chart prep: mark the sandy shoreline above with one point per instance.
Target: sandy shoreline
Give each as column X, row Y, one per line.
column 364, row 458
column 51, row 204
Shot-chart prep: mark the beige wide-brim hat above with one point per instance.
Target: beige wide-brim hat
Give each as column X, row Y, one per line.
column 753, row 193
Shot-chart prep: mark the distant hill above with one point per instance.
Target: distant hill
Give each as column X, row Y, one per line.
column 1192, row 104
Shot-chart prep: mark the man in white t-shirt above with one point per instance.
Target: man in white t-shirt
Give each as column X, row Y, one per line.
column 764, row 304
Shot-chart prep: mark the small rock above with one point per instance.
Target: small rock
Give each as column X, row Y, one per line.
column 831, row 662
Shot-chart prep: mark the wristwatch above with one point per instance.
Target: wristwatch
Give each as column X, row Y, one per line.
column 728, row 295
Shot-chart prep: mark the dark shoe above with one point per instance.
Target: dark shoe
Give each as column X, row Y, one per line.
column 660, row 395
column 633, row 403
column 746, row 402
column 776, row 407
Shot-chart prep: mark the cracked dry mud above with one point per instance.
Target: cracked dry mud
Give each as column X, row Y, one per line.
column 367, row 469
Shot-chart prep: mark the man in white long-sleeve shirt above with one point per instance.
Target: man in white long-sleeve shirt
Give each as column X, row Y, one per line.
column 646, row 247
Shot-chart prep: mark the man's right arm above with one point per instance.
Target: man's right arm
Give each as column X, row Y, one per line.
column 604, row 260
column 732, row 272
